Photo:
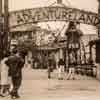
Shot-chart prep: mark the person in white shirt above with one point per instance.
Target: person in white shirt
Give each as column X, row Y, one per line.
column 72, row 64
column 60, row 69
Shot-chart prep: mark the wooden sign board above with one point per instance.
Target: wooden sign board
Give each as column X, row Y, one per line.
column 57, row 13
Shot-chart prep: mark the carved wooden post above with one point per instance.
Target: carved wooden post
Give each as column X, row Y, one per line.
column 6, row 26
column 0, row 7
column 1, row 30
column 98, row 13
column 98, row 64
column 98, row 60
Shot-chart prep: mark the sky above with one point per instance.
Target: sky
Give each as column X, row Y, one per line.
column 88, row 5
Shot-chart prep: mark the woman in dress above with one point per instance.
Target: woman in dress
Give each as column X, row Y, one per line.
column 4, row 75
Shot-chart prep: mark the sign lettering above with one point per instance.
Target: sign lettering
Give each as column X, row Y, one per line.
column 52, row 14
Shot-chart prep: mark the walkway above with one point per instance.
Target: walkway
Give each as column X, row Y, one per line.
column 36, row 86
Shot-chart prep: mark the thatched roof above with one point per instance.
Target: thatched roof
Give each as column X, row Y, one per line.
column 74, row 31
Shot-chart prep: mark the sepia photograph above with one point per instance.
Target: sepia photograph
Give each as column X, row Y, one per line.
column 50, row 49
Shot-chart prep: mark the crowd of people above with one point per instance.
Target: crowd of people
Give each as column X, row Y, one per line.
column 11, row 73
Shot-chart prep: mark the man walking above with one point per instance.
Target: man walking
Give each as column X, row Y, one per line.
column 15, row 63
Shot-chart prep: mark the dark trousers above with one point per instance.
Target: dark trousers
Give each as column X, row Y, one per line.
column 16, row 81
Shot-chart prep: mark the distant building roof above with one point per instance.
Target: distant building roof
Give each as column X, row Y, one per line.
column 62, row 42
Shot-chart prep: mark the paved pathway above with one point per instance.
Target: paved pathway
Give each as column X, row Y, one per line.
column 36, row 86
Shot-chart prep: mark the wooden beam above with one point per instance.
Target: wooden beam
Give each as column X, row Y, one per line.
column 0, row 7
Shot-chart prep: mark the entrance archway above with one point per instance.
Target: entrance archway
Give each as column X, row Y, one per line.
column 55, row 13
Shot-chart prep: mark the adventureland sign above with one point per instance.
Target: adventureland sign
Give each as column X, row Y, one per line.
column 45, row 14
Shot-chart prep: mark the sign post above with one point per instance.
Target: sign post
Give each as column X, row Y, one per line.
column 6, row 26
column 98, row 59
